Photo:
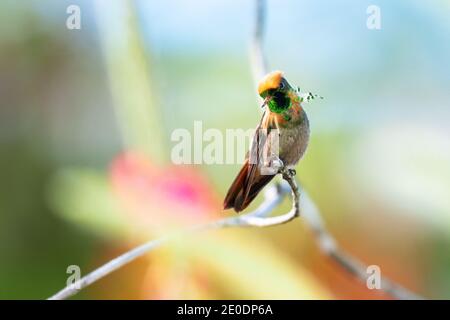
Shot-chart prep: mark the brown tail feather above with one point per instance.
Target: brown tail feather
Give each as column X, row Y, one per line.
column 245, row 187
column 236, row 187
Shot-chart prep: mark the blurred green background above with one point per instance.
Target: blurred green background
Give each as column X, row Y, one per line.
column 85, row 123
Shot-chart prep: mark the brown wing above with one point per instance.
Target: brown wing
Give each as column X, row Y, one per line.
column 249, row 182
column 237, row 187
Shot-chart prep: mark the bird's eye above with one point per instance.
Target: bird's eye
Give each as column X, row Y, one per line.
column 281, row 86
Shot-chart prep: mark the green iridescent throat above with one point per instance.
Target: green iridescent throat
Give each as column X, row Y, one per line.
column 279, row 101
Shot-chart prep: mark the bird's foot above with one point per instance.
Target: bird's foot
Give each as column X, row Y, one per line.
column 288, row 173
column 281, row 168
column 277, row 165
column 272, row 166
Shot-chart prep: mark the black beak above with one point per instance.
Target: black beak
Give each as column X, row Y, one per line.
column 266, row 100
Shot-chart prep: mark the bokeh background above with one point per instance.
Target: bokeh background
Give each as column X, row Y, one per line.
column 85, row 123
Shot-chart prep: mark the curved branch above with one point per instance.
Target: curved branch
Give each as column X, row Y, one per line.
column 257, row 218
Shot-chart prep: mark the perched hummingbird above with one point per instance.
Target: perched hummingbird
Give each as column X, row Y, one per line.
column 283, row 111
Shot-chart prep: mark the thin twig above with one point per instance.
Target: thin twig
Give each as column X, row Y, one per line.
column 257, row 218
column 328, row 246
column 257, row 57
column 309, row 210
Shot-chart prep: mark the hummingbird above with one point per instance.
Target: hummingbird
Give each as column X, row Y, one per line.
column 284, row 116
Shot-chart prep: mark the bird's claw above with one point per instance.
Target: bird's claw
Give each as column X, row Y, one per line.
column 277, row 166
column 288, row 173
column 281, row 168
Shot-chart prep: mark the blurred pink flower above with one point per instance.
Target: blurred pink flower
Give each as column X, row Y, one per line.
column 161, row 197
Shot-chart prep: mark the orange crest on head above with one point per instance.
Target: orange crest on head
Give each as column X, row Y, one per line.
column 270, row 81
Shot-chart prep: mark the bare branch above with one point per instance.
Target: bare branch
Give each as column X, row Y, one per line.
column 257, row 57
column 257, row 218
column 329, row 247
